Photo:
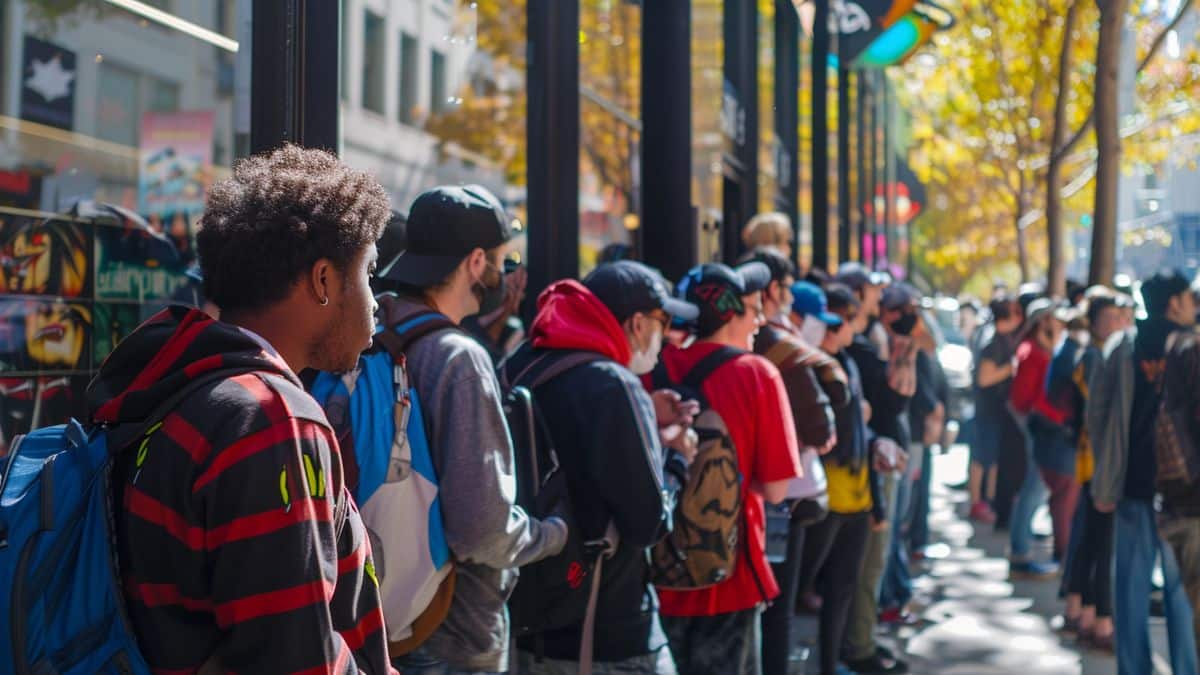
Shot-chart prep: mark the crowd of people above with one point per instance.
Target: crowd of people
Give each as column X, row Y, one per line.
column 376, row 466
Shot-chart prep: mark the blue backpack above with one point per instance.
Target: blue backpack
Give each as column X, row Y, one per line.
column 61, row 608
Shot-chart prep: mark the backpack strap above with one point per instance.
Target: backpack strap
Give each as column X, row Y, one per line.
column 605, row 548
column 709, row 364
column 546, row 367
column 398, row 337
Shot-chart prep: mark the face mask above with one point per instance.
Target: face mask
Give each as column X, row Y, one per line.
column 645, row 360
column 905, row 324
column 813, row 330
column 490, row 297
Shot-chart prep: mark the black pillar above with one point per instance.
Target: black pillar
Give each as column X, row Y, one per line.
column 670, row 240
column 889, row 214
column 787, row 109
column 295, row 73
column 876, row 216
column 740, row 194
column 553, row 144
column 843, row 162
column 861, row 193
column 820, row 135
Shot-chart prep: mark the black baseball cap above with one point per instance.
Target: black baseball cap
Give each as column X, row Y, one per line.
column 627, row 287
column 718, row 289
column 856, row 276
column 444, row 225
column 776, row 262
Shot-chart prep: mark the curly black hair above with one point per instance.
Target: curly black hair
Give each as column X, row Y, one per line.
column 280, row 213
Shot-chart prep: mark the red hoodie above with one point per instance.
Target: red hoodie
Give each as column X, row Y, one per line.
column 570, row 317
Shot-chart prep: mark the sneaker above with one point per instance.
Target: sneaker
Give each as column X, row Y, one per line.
column 1032, row 569
column 877, row 664
column 982, row 513
column 898, row 617
column 843, row 670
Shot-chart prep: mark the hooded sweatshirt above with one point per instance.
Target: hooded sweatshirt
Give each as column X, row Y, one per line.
column 603, row 427
column 238, row 542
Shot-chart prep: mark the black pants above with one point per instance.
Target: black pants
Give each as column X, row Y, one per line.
column 833, row 557
column 777, row 619
column 1010, row 468
column 716, row 645
column 1091, row 567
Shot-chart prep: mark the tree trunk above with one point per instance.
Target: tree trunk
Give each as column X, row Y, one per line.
column 1018, row 217
column 1108, row 141
column 1056, row 276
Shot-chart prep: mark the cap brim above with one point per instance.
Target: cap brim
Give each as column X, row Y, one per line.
column 420, row 271
column 684, row 311
column 755, row 277
column 830, row 319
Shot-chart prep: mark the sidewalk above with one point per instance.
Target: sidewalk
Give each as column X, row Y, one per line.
column 977, row 621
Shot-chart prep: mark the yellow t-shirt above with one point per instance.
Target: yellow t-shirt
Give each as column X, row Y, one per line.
column 849, row 491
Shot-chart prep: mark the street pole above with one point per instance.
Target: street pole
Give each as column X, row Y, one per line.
column 861, row 195
column 843, row 161
column 820, row 135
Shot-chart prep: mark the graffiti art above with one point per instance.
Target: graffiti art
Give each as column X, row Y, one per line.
column 40, row 335
column 45, row 256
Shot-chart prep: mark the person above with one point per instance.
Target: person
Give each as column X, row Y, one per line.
column 603, row 426
column 888, row 384
column 815, row 384
column 927, row 420
column 773, row 230
column 998, row 436
column 1049, row 455
column 901, row 318
column 717, row 629
column 834, row 548
column 501, row 331
column 453, row 265
column 239, row 545
column 1179, row 520
column 1088, row 581
column 1121, row 416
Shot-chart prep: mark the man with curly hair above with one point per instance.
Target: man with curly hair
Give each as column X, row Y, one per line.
column 239, row 545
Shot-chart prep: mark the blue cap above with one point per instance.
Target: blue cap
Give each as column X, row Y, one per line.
column 809, row 300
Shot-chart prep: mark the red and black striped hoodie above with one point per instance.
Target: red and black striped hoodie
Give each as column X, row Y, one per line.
column 238, row 542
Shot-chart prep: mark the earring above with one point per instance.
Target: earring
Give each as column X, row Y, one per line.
column 324, row 301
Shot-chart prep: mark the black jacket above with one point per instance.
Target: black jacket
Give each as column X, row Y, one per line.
column 889, row 409
column 603, row 426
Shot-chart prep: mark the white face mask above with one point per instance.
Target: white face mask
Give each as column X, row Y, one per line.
column 813, row 330
column 644, row 361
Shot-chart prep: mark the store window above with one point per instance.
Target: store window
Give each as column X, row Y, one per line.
column 804, row 165
column 457, row 76
column 711, row 128
column 373, row 59
column 113, row 126
column 610, row 83
column 408, row 78
column 768, row 141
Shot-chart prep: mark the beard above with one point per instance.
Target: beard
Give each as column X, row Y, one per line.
column 333, row 350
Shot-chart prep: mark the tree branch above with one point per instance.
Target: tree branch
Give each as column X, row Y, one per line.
column 1155, row 46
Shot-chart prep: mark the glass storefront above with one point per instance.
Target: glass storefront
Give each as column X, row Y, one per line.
column 714, row 122
column 768, row 141
column 434, row 93
column 115, row 118
column 610, row 87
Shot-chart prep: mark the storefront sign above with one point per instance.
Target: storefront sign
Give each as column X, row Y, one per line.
column 48, row 84
column 176, row 162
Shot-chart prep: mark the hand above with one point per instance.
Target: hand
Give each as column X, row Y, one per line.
column 867, row 410
column 683, row 440
column 887, row 455
column 670, row 409
column 878, row 526
column 1105, row 507
column 829, row 446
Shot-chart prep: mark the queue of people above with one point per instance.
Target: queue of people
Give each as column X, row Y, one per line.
column 338, row 470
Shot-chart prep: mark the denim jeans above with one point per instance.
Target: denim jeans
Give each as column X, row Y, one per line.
column 895, row 588
column 918, row 529
column 1031, row 495
column 1137, row 545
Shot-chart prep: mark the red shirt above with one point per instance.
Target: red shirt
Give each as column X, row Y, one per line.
column 749, row 395
column 1029, row 384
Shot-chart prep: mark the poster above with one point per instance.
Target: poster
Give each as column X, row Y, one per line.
column 176, row 163
column 48, row 84
column 45, row 257
column 113, row 323
column 133, row 262
column 44, row 335
column 28, row 403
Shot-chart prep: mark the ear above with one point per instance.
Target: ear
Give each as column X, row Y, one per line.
column 324, row 281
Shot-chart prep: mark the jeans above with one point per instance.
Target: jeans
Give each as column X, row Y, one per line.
column 777, row 619
column 918, row 528
column 1064, row 496
column 895, row 588
column 1137, row 545
column 833, row 557
column 1031, row 495
column 1183, row 534
column 1090, row 568
column 726, row 643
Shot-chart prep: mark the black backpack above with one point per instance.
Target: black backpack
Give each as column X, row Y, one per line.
column 561, row 590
